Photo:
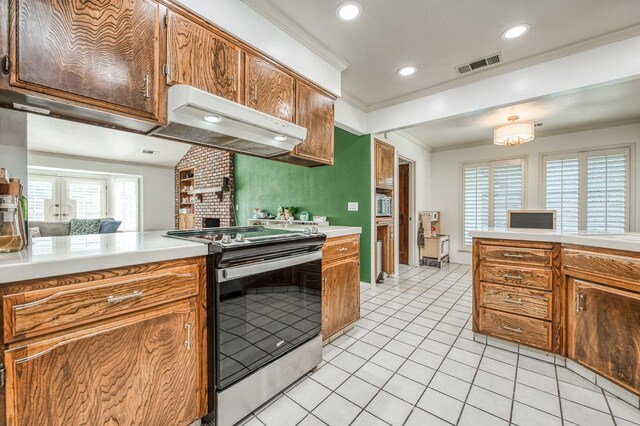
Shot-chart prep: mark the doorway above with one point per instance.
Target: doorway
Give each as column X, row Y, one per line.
column 404, row 215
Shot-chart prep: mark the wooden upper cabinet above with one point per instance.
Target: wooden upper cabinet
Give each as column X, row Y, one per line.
column 315, row 111
column 202, row 59
column 268, row 88
column 603, row 331
column 141, row 370
column 385, row 160
column 104, row 54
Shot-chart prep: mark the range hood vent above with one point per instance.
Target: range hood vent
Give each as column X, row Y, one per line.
column 479, row 63
column 202, row 118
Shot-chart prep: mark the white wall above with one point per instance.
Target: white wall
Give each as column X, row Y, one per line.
column 446, row 174
column 420, row 186
column 13, row 143
column 158, row 183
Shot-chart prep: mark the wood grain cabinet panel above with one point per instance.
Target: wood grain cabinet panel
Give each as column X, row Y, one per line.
column 522, row 276
column 137, row 371
column 519, row 255
column 104, row 54
column 606, row 264
column 517, row 328
column 385, row 165
column 341, row 295
column 532, row 303
column 603, row 331
column 341, row 247
column 37, row 312
column 202, row 59
column 269, row 89
column 315, row 112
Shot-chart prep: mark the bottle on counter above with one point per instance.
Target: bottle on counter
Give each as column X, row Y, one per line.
column 11, row 224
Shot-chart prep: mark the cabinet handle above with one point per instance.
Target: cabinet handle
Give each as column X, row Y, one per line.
column 188, row 342
column 342, row 249
column 515, row 330
column 117, row 299
column 513, row 301
column 579, row 302
column 515, row 256
column 147, row 84
column 234, row 89
column 512, row 277
column 324, row 286
column 254, row 88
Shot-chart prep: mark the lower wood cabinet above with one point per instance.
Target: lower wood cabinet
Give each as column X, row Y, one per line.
column 136, row 354
column 138, row 370
column 340, row 284
column 603, row 331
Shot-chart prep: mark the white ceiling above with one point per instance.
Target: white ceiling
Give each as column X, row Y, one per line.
column 69, row 138
column 437, row 35
column 588, row 108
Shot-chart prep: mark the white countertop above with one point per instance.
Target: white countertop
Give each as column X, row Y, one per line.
column 54, row 256
column 629, row 241
column 329, row 231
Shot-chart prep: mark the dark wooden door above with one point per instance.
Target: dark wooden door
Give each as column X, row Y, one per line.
column 341, row 295
column 314, row 110
column 385, row 160
column 137, row 371
column 403, row 200
column 199, row 58
column 269, row 89
column 102, row 53
column 604, row 331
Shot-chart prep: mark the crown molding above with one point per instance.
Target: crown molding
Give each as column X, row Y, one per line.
column 282, row 21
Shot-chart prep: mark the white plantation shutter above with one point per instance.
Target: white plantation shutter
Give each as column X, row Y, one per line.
column 607, row 191
column 40, row 193
column 126, row 203
column 476, row 199
column 562, row 190
column 86, row 198
column 507, row 190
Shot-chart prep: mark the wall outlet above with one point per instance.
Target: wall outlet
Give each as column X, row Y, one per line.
column 352, row 206
column 237, row 207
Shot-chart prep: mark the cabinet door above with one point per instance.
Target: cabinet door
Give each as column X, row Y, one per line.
column 99, row 53
column 268, row 89
column 385, row 159
column 200, row 58
column 140, row 370
column 341, row 295
column 315, row 111
column 604, row 331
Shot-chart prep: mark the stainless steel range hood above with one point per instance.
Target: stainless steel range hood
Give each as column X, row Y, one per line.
column 199, row 117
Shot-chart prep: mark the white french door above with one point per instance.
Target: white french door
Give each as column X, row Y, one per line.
column 60, row 199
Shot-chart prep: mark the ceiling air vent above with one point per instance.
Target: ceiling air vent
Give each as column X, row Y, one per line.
column 150, row 152
column 479, row 63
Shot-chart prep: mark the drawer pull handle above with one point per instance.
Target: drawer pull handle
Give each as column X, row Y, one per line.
column 342, row 250
column 514, row 255
column 188, row 342
column 515, row 330
column 118, row 299
column 512, row 277
column 513, row 301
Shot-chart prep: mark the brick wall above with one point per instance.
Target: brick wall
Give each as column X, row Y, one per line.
column 211, row 165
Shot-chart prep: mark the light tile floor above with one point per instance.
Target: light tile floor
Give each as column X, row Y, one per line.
column 411, row 360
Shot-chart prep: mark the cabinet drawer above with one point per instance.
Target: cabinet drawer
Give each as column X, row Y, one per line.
column 38, row 312
column 519, row 329
column 521, row 276
column 521, row 301
column 618, row 266
column 519, row 255
column 341, row 247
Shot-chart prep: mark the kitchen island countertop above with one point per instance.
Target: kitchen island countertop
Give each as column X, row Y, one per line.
column 55, row 256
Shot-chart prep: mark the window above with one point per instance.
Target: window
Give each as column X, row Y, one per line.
column 589, row 190
column 125, row 203
column 490, row 190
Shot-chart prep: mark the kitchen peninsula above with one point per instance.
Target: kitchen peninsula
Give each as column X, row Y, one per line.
column 572, row 294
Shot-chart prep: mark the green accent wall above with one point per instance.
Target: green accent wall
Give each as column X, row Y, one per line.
column 323, row 191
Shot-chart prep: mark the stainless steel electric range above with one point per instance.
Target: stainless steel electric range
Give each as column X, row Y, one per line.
column 264, row 313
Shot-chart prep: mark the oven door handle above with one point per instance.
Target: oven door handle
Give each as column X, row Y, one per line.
column 228, row 274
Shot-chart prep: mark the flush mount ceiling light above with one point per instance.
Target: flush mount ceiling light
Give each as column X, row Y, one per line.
column 407, row 71
column 513, row 134
column 212, row 118
column 280, row 138
column 515, row 31
column 349, row 11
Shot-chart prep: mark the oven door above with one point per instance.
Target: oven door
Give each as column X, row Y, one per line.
column 264, row 310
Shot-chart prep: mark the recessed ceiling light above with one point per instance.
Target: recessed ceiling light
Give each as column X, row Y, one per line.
column 349, row 11
column 515, row 31
column 280, row 138
column 407, row 71
column 212, row 118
